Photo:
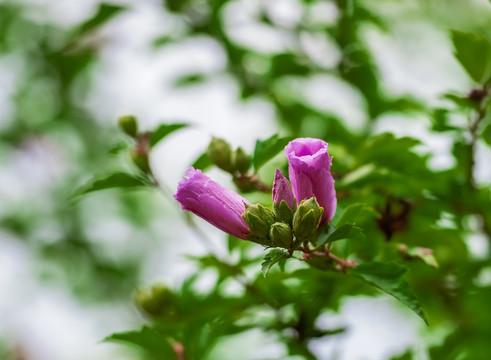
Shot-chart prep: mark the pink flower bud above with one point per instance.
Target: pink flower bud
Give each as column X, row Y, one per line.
column 309, row 170
column 209, row 200
column 282, row 190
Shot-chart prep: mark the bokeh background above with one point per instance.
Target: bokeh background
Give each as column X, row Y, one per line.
column 241, row 70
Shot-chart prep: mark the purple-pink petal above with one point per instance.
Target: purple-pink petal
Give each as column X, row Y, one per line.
column 216, row 204
column 309, row 171
column 282, row 190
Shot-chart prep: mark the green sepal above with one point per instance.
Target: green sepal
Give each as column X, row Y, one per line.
column 281, row 235
column 283, row 212
column 259, row 219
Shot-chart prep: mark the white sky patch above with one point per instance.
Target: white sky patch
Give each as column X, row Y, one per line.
column 404, row 70
column 365, row 320
column 438, row 145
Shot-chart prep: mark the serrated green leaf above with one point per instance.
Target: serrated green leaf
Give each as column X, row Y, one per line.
column 116, row 180
column 345, row 231
column 473, row 51
column 147, row 340
column 267, row 149
column 202, row 162
column 388, row 277
column 354, row 212
column 271, row 258
column 163, row 130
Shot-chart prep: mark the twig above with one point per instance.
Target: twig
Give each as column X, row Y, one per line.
column 342, row 264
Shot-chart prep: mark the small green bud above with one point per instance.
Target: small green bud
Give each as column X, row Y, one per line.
column 259, row 219
column 220, row 154
column 283, row 212
column 154, row 301
column 306, row 219
column 281, row 235
column 140, row 160
column 129, row 125
column 241, row 160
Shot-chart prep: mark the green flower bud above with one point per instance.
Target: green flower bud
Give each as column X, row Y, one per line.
column 241, row 160
column 129, row 125
column 140, row 160
column 283, row 212
column 155, row 301
column 220, row 154
column 259, row 219
column 306, row 219
column 281, row 235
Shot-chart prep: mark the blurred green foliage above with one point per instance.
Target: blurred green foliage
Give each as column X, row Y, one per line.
column 411, row 215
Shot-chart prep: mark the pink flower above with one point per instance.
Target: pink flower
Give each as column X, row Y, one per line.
column 310, row 175
column 209, row 200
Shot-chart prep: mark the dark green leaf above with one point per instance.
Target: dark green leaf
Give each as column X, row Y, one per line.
column 116, row 180
column 146, row 339
column 162, row 131
column 266, row 149
column 271, row 258
column 388, row 277
column 345, row 231
column 203, row 162
column 473, row 51
column 104, row 14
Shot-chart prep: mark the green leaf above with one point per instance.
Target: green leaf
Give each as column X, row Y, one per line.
column 104, row 14
column 267, row 149
column 486, row 134
column 116, row 180
column 271, row 258
column 191, row 79
column 424, row 254
column 163, row 130
column 146, row 339
column 473, row 51
column 354, row 212
column 345, row 231
column 388, row 278
column 118, row 147
column 203, row 162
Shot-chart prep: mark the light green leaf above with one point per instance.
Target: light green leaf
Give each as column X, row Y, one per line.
column 147, row 340
column 271, row 258
column 345, row 231
column 116, row 180
column 163, row 130
column 424, row 254
column 486, row 134
column 354, row 212
column 388, row 277
column 267, row 149
column 473, row 51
